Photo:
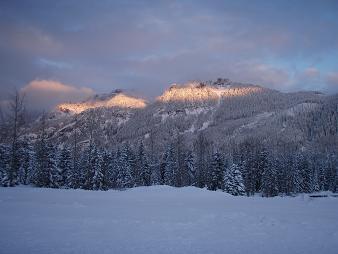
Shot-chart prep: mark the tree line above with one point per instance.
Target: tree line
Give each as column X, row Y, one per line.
column 249, row 171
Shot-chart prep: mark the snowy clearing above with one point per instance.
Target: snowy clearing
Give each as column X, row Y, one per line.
column 163, row 219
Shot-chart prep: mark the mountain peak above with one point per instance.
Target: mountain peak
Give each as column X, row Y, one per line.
column 114, row 99
column 209, row 90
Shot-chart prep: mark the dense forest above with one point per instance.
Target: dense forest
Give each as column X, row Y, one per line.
column 252, row 170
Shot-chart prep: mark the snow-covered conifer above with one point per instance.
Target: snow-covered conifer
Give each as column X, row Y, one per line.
column 124, row 174
column 65, row 167
column 233, row 181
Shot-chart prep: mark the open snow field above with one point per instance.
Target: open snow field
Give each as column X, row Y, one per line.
column 163, row 219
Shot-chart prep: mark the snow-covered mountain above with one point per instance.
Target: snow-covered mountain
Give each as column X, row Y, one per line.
column 208, row 91
column 116, row 99
column 225, row 111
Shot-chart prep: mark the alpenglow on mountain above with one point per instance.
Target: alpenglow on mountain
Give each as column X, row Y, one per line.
column 115, row 99
column 224, row 111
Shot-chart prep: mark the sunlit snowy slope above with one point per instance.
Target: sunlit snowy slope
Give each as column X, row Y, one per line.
column 162, row 219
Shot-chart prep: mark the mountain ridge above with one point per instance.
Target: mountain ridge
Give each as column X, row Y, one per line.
column 192, row 91
column 225, row 111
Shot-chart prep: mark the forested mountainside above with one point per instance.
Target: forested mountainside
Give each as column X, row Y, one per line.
column 224, row 111
column 216, row 134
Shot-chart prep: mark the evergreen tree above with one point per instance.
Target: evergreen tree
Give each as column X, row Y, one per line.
column 270, row 180
column 54, row 173
column 137, row 173
column 93, row 175
column 124, row 175
column 262, row 164
column 253, row 162
column 26, row 160
column 105, row 166
column 65, row 167
column 180, row 155
column 131, row 158
column 189, row 169
column 76, row 176
column 332, row 172
column 201, row 146
column 16, row 120
column 113, row 168
column 296, row 176
column 41, row 174
column 304, row 173
column 280, row 173
column 144, row 176
column 99, row 182
column 86, row 166
column 75, row 180
column 156, row 178
column 171, row 167
column 233, row 181
column 4, row 163
column 287, row 174
column 46, row 172
column 247, row 166
column 217, row 173
column 321, row 174
column 12, row 173
column 315, row 180
column 162, row 166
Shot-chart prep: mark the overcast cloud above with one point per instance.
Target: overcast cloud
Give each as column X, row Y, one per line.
column 144, row 46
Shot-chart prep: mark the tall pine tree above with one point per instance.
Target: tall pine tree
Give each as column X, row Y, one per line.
column 171, row 167
column 217, row 173
column 270, row 180
column 65, row 167
column 98, row 170
column 189, row 176
column 144, row 170
column 125, row 168
column 233, row 181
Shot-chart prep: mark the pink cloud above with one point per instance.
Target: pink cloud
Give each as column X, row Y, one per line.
column 48, row 93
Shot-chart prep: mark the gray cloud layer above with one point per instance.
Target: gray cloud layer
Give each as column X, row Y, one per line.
column 145, row 45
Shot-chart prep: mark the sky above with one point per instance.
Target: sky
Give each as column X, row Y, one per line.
column 67, row 50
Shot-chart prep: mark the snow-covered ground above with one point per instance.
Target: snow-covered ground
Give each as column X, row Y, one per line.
column 163, row 219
